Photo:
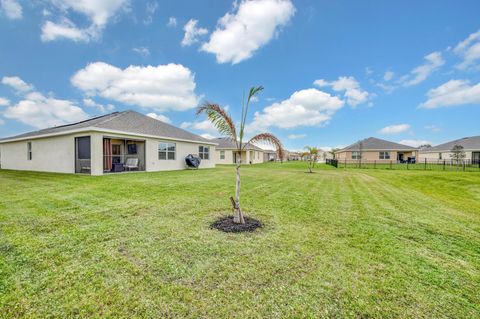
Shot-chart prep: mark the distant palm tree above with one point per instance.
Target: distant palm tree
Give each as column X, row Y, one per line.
column 311, row 155
column 226, row 127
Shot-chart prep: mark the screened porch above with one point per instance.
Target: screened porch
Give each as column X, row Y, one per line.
column 123, row 155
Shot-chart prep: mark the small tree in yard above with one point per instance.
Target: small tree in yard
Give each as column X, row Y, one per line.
column 311, row 155
column 226, row 127
column 458, row 154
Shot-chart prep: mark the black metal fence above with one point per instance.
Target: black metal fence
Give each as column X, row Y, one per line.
column 424, row 164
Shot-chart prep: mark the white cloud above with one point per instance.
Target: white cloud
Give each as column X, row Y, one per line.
column 388, row 75
column 433, row 62
column 172, row 22
column 308, row 107
column 12, row 9
column 143, row 51
column 433, row 128
column 160, row 88
column 100, row 107
column 207, row 136
column 40, row 111
column 4, row 101
column 296, row 136
column 395, row 129
column 368, row 71
column 2, row 122
column 192, row 33
column 353, row 93
column 414, row 143
column 150, row 11
column 160, row 117
column 98, row 12
column 66, row 30
column 248, row 27
column 469, row 50
column 17, row 84
column 205, row 125
column 453, row 92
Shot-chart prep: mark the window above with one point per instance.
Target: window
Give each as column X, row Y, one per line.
column 83, row 147
column 439, row 155
column 384, row 155
column 356, row 155
column 166, row 151
column 29, row 151
column 222, row 155
column 204, row 152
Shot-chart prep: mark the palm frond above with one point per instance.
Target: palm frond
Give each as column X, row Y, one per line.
column 269, row 139
column 254, row 91
column 219, row 118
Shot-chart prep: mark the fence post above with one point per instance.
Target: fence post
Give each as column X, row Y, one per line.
column 375, row 164
column 443, row 164
column 345, row 166
column 407, row 164
column 390, row 164
column 425, row 164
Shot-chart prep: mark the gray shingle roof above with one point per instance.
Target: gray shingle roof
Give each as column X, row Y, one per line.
column 376, row 144
column 468, row 143
column 126, row 121
column 227, row 143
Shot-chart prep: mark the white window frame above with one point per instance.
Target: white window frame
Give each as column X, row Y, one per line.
column 440, row 156
column 384, row 155
column 166, row 148
column 29, row 151
column 204, row 152
column 222, row 155
column 356, row 155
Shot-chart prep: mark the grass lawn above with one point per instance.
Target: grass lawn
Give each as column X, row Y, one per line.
column 339, row 243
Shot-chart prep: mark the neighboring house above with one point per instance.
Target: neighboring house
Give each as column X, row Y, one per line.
column 226, row 152
column 270, row 156
column 471, row 147
column 111, row 143
column 292, row 156
column 375, row 149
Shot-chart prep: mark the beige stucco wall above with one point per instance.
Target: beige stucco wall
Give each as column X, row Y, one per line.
column 374, row 155
column 57, row 154
column 53, row 154
column 255, row 157
column 152, row 162
column 431, row 156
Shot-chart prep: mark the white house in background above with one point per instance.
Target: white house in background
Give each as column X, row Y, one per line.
column 225, row 152
column 116, row 142
column 471, row 147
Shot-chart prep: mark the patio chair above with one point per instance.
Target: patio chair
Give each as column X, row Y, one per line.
column 131, row 163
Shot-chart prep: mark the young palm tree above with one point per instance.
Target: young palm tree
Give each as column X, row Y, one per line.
column 311, row 155
column 225, row 126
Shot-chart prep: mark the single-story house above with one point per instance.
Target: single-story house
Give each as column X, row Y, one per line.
column 226, row 152
column 471, row 147
column 270, row 156
column 375, row 149
column 115, row 142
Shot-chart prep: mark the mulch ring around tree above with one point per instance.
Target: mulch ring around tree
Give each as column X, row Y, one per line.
column 226, row 224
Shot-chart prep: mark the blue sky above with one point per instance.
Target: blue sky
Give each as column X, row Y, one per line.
column 333, row 71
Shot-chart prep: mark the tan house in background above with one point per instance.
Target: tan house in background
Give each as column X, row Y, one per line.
column 471, row 147
column 225, row 152
column 375, row 149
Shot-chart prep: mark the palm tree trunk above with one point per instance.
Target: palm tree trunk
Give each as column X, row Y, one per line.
column 237, row 214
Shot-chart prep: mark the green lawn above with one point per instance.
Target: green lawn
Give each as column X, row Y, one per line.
column 339, row 243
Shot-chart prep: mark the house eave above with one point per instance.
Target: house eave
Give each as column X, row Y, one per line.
column 101, row 130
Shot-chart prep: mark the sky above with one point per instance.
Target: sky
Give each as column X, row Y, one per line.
column 334, row 72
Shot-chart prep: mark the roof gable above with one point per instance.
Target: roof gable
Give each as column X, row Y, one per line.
column 468, row 143
column 127, row 121
column 373, row 143
column 227, row 143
